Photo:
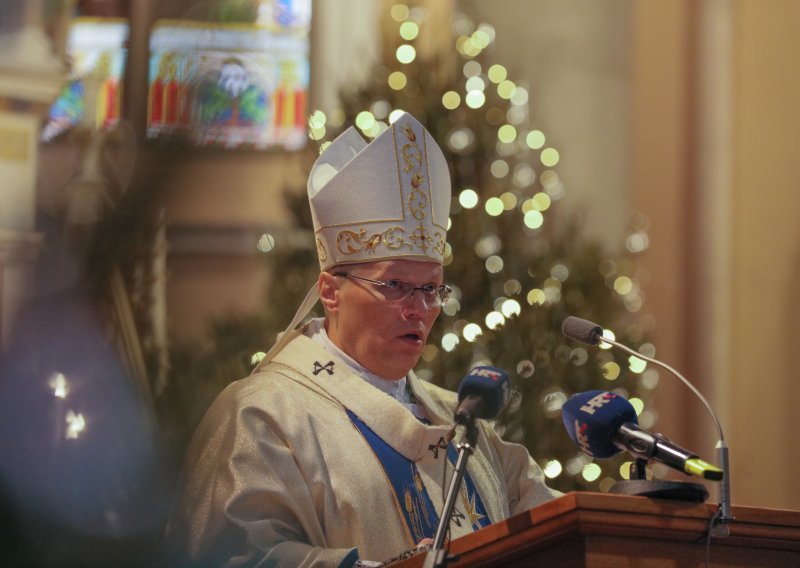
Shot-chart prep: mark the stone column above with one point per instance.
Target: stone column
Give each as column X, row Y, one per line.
column 30, row 79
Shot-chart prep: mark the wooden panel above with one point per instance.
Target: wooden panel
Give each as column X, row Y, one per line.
column 601, row 530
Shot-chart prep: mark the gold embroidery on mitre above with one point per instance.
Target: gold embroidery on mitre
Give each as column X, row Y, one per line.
column 394, row 241
column 411, row 155
column 409, row 133
column 421, row 238
column 321, row 252
column 356, row 242
column 352, row 242
column 417, row 201
column 439, row 245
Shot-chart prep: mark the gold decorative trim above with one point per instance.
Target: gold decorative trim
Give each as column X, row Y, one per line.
column 417, row 202
column 442, row 226
column 411, row 153
column 321, row 252
column 352, row 242
column 394, row 241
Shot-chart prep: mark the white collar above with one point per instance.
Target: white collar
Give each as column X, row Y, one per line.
column 394, row 388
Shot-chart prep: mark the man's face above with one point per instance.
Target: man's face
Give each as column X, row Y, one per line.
column 386, row 337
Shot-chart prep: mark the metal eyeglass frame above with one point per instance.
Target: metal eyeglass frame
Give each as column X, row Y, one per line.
column 442, row 291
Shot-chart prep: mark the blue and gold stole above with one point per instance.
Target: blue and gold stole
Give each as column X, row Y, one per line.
column 418, row 511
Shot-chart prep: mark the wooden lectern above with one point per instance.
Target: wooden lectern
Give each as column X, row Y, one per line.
column 600, row 530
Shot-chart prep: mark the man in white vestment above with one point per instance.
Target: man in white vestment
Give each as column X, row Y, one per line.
column 333, row 453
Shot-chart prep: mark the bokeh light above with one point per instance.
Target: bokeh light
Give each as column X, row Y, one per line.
column 519, row 96
column 541, row 201
column 397, row 80
column 449, row 341
column 409, row 30
column 365, row 120
column 76, row 424
column 533, row 219
column 507, row 133
column 399, row 12
column 536, row 296
column 266, row 243
column 58, row 382
column 494, row 320
column 494, row 264
column 511, row 308
column 499, row 169
column 623, row 285
column 475, row 99
column 494, row 206
column 471, row 332
column 508, row 200
column 549, row 157
column 552, row 469
column 475, row 84
column 534, row 139
column 468, row 198
column 525, row 368
column 406, row 53
column 611, row 371
column 451, row 100
column 497, row 73
column 505, row 89
column 608, row 334
column 636, row 365
column 591, row 471
column 471, row 68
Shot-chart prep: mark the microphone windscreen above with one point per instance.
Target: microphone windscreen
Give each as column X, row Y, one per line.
column 593, row 417
column 582, row 330
column 491, row 385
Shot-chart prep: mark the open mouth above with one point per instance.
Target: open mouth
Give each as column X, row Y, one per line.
column 412, row 336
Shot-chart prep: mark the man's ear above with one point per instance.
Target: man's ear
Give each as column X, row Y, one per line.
column 328, row 286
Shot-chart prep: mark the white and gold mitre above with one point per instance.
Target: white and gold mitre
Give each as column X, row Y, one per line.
column 384, row 200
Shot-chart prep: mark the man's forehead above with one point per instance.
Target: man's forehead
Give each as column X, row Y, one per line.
column 400, row 268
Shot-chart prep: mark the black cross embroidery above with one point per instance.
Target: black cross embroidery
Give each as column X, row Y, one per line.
column 457, row 516
column 327, row 367
column 441, row 444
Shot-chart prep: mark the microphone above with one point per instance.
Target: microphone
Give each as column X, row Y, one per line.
column 582, row 330
column 483, row 393
column 590, row 333
column 603, row 423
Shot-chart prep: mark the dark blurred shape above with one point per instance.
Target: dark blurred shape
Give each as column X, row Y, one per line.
column 81, row 478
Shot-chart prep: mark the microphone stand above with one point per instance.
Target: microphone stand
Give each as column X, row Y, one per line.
column 724, row 491
column 437, row 555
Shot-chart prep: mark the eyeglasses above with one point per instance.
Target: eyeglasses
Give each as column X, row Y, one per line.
column 397, row 290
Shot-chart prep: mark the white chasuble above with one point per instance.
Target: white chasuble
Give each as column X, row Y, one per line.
column 306, row 464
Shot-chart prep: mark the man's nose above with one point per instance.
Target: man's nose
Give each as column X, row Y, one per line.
column 415, row 304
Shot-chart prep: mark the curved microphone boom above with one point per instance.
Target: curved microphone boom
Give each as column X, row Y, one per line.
column 591, row 334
